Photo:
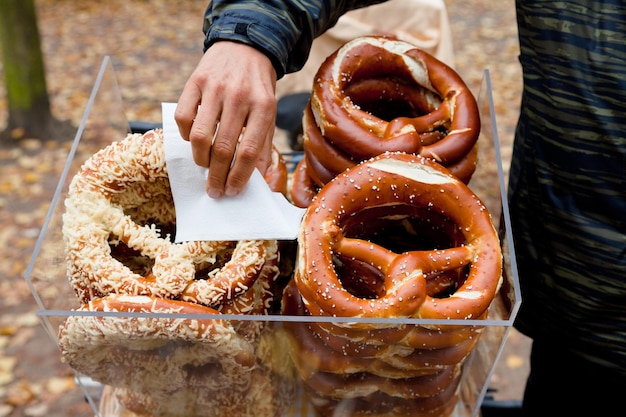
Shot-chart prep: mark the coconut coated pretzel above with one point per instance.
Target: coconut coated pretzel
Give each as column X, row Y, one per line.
column 111, row 184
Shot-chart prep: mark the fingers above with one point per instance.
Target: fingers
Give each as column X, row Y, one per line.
column 265, row 160
column 229, row 120
column 203, row 130
column 228, row 156
column 232, row 161
column 195, row 124
column 187, row 108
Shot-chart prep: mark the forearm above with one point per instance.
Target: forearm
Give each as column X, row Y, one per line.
column 283, row 30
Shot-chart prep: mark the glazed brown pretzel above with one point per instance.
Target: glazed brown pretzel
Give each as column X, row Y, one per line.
column 333, row 376
column 315, row 354
column 276, row 174
column 369, row 64
column 409, row 335
column 378, row 94
column 359, row 385
column 324, row 160
column 396, row 179
column 380, row 404
column 303, row 188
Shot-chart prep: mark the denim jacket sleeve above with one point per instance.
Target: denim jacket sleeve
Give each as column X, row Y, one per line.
column 282, row 29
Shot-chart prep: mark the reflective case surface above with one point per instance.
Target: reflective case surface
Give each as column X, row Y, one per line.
column 143, row 355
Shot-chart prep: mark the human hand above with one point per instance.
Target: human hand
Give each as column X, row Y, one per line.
column 227, row 110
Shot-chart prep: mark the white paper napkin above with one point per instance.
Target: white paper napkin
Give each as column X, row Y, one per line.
column 257, row 213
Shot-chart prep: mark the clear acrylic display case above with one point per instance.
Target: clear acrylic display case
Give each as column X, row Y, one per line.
column 273, row 385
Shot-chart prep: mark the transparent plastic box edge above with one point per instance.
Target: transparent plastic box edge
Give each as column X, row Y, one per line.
column 104, row 113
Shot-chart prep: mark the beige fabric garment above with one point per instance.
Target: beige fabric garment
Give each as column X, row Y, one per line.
column 423, row 23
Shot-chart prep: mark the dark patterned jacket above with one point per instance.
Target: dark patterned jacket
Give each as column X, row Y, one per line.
column 283, row 30
column 567, row 187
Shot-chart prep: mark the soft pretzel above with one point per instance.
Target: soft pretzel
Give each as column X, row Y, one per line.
column 416, row 336
column 380, row 404
column 397, row 353
column 312, row 352
column 389, row 181
column 277, row 175
column 377, row 94
column 395, row 236
column 113, row 186
column 106, row 348
column 363, row 384
column 117, row 229
column 169, row 363
column 303, row 188
column 330, row 353
column 425, row 83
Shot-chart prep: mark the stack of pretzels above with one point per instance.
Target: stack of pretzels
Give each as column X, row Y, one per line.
column 118, row 228
column 377, row 94
column 391, row 235
column 394, row 237
column 392, row 232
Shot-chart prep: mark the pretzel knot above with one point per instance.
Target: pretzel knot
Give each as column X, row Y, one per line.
column 449, row 268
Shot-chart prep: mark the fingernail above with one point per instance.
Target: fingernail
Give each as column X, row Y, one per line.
column 215, row 193
column 231, row 192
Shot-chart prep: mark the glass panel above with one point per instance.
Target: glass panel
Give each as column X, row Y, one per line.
column 287, row 364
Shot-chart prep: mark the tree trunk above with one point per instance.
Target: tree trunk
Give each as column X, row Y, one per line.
column 24, row 73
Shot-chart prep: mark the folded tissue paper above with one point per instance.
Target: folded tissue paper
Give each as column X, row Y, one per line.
column 257, row 213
